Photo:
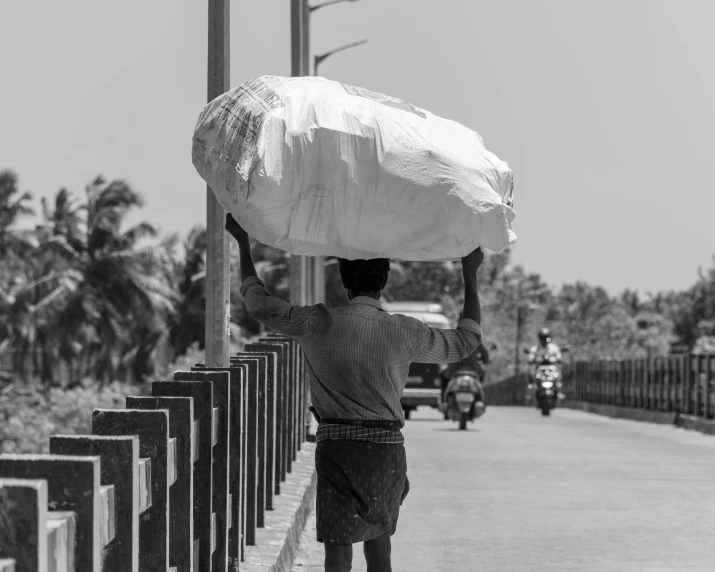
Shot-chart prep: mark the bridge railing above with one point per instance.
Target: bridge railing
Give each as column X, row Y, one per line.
column 682, row 384
column 509, row 391
column 179, row 480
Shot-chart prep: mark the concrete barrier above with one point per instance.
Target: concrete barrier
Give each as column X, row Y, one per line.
column 631, row 413
column 209, row 473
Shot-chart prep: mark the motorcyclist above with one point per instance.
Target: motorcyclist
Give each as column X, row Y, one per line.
column 546, row 347
column 472, row 362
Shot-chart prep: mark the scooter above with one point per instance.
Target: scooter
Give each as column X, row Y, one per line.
column 464, row 398
column 547, row 384
column 547, row 393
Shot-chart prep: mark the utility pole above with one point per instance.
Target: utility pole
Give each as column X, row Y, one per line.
column 520, row 319
column 218, row 303
column 307, row 274
column 298, row 266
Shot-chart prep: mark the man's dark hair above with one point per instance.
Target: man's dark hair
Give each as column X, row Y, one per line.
column 364, row 275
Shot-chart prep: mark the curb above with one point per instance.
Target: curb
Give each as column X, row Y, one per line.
column 277, row 543
column 696, row 424
column 688, row 422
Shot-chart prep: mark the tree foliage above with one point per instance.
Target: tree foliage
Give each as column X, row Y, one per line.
column 114, row 301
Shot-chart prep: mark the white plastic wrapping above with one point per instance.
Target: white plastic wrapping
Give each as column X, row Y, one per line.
column 315, row 167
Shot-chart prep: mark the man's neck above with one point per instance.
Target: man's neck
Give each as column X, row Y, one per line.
column 373, row 295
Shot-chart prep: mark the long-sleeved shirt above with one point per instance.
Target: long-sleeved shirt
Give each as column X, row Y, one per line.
column 358, row 356
column 537, row 353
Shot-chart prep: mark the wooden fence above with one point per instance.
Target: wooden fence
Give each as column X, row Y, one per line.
column 177, row 481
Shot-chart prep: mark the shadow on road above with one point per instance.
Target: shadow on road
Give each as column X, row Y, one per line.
column 456, row 430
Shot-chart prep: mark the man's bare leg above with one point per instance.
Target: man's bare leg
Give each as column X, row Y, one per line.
column 377, row 554
column 338, row 557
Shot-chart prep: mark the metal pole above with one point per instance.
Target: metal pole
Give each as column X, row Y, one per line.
column 315, row 264
column 318, row 59
column 307, row 285
column 297, row 264
column 310, row 276
column 305, row 38
column 520, row 314
column 218, row 302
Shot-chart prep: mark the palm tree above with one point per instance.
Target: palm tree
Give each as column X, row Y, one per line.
column 102, row 296
column 64, row 218
column 14, row 247
column 187, row 322
column 13, row 204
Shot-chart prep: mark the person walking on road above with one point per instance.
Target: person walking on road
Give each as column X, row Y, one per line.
column 358, row 358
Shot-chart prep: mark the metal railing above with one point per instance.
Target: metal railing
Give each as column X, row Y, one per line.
column 177, row 481
column 683, row 384
column 509, row 391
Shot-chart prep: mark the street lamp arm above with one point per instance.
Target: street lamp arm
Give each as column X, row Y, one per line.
column 328, row 3
column 321, row 57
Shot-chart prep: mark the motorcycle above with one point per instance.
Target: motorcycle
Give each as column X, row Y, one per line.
column 546, row 380
column 546, row 385
column 464, row 398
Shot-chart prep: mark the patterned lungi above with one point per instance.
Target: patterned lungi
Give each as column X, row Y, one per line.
column 361, row 486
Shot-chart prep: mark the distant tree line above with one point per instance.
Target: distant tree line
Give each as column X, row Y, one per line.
column 111, row 301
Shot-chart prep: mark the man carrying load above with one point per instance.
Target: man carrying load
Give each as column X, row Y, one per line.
column 358, row 358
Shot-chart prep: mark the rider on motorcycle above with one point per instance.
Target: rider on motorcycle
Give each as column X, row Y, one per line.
column 546, row 348
column 472, row 362
column 546, row 352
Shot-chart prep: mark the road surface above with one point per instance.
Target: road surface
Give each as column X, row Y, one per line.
column 574, row 491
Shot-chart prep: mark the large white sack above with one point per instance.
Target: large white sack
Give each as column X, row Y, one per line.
column 315, row 167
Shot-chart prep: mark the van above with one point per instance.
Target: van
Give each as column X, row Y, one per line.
column 423, row 380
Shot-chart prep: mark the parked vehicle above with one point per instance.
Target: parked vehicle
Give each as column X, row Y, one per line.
column 464, row 398
column 423, row 379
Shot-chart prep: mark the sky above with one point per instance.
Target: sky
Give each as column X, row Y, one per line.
column 604, row 110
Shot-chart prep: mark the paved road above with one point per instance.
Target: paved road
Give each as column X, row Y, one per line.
column 577, row 492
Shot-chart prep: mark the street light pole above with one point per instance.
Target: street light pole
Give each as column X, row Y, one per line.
column 328, row 3
column 318, row 59
column 299, row 266
column 520, row 319
column 218, row 304
column 307, row 274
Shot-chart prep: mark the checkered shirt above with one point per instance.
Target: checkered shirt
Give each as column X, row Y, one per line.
column 358, row 356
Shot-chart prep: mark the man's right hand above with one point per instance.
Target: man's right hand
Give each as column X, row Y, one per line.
column 236, row 230
column 472, row 262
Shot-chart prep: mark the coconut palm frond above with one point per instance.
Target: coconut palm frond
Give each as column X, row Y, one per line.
column 69, row 278
column 198, row 276
column 196, row 239
column 137, row 233
column 150, row 257
column 58, row 296
column 60, row 246
column 154, row 291
column 169, row 244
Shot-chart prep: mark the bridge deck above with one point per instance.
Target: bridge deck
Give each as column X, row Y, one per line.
column 518, row 492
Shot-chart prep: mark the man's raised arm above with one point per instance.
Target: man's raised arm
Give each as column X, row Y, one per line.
column 298, row 322
column 435, row 345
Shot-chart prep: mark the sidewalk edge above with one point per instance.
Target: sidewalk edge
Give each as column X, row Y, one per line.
column 278, row 542
column 688, row 422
